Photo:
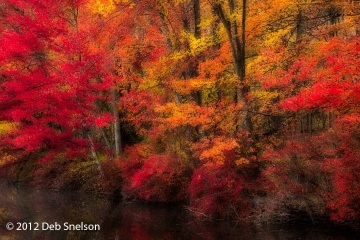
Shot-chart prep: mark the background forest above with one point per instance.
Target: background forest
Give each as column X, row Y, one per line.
column 237, row 108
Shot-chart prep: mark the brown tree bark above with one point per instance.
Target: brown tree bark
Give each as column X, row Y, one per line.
column 238, row 48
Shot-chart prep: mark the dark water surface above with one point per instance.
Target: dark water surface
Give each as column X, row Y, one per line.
column 125, row 220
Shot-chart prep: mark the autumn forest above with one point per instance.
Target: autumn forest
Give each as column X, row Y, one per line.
column 233, row 108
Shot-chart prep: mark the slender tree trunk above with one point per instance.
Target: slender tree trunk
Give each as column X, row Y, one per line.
column 197, row 33
column 300, row 28
column 238, row 48
column 93, row 153
column 107, row 142
column 197, row 19
column 117, row 129
column 244, row 87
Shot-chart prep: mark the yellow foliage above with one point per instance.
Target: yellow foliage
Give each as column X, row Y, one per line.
column 5, row 127
column 242, row 161
column 181, row 1
column 104, row 7
column 216, row 152
column 6, row 159
column 173, row 115
column 198, row 45
column 189, row 85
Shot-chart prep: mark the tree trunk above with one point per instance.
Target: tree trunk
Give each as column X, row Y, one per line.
column 93, row 153
column 197, row 34
column 238, row 47
column 117, row 129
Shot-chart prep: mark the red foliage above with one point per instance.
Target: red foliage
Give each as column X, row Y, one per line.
column 158, row 178
column 344, row 168
column 217, row 191
column 324, row 167
column 332, row 79
column 309, row 161
column 50, row 80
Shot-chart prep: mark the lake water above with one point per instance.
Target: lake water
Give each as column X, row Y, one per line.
column 50, row 213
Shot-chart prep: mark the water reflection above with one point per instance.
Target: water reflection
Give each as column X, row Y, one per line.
column 125, row 220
